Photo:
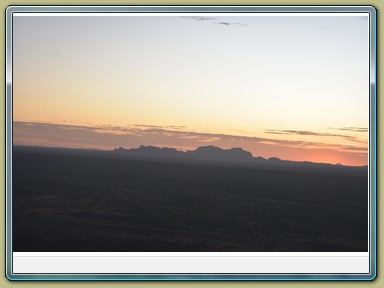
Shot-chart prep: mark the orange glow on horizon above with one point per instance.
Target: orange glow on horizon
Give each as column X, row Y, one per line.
column 108, row 137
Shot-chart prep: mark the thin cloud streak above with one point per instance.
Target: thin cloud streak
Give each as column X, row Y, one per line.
column 310, row 133
column 351, row 129
column 231, row 23
column 294, row 132
column 225, row 23
column 198, row 18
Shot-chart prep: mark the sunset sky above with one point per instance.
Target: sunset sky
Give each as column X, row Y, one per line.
column 293, row 87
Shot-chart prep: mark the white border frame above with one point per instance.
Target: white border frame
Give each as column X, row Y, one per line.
column 269, row 10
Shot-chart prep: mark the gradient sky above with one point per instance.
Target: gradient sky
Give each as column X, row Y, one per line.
column 293, row 87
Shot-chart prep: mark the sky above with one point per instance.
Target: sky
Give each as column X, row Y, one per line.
column 292, row 87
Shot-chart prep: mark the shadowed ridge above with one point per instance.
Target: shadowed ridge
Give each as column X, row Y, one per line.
column 212, row 153
column 219, row 154
column 275, row 159
column 151, row 151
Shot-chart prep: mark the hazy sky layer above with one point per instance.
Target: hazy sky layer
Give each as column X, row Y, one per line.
column 292, row 87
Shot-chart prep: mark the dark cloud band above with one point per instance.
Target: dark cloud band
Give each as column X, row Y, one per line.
column 115, row 135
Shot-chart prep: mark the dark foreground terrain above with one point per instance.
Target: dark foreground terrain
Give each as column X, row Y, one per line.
column 72, row 200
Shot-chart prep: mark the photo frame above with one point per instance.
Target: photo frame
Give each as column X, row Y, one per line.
column 254, row 265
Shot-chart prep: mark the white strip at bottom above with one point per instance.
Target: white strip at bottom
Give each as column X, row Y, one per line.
column 183, row 264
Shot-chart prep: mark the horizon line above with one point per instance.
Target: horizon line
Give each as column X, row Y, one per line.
column 127, row 149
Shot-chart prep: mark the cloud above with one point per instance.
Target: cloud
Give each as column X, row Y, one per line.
column 231, row 23
column 198, row 18
column 159, row 131
column 351, row 129
column 176, row 127
column 149, row 126
column 291, row 132
column 136, row 135
column 310, row 133
column 202, row 18
column 307, row 133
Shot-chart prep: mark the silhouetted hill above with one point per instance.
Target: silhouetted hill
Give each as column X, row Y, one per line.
column 151, row 151
column 218, row 154
column 233, row 156
column 204, row 153
column 274, row 159
column 207, row 155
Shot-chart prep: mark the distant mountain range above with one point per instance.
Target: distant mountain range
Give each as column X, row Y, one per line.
column 213, row 154
column 207, row 155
